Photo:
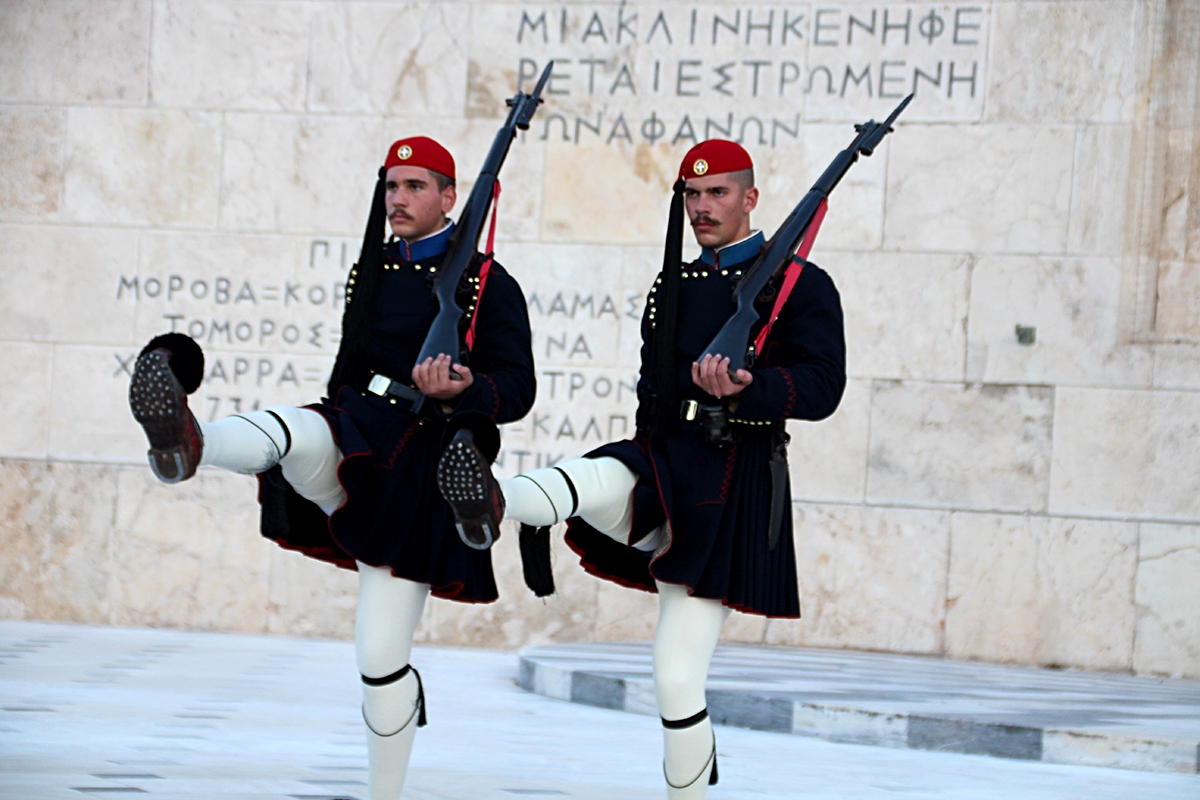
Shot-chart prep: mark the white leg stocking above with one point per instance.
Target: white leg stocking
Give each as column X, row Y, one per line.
column 389, row 609
column 296, row 438
column 687, row 634
column 603, row 495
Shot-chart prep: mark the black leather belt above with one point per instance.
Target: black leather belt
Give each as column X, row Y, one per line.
column 383, row 386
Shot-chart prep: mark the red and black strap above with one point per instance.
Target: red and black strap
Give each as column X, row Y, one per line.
column 793, row 273
column 485, row 268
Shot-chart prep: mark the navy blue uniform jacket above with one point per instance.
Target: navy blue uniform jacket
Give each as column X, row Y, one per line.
column 716, row 501
column 394, row 515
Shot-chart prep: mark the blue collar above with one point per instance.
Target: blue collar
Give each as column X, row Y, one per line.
column 735, row 253
column 428, row 247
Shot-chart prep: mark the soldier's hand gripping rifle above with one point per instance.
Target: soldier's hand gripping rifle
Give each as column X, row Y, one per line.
column 443, row 333
column 798, row 230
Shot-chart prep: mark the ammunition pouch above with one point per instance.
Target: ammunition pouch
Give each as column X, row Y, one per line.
column 714, row 422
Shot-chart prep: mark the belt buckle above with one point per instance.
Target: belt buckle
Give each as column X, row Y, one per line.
column 379, row 385
column 690, row 410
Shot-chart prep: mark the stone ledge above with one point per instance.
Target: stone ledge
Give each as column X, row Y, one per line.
column 1054, row 716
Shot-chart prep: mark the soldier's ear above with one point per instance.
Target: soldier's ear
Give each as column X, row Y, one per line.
column 449, row 198
column 750, row 202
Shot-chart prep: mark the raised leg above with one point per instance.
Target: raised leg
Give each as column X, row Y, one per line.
column 597, row 490
column 687, row 634
column 297, row 439
column 389, row 609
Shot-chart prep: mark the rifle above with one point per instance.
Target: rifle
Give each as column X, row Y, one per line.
column 443, row 333
column 733, row 340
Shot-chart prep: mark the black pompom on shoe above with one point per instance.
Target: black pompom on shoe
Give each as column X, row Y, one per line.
column 184, row 355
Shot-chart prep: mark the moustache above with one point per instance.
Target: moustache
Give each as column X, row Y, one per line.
column 400, row 216
column 703, row 218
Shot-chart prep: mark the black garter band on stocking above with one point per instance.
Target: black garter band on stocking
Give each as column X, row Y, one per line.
column 571, row 489
column 687, row 722
column 419, row 711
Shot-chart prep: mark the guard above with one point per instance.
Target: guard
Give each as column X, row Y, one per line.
column 352, row 479
column 692, row 506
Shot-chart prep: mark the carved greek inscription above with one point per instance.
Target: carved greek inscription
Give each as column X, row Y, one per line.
column 650, row 73
column 267, row 338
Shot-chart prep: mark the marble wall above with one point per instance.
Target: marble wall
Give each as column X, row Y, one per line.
column 206, row 167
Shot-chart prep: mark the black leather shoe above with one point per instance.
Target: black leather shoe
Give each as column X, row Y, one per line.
column 159, row 404
column 465, row 479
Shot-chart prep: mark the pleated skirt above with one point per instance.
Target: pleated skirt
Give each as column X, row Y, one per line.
column 715, row 504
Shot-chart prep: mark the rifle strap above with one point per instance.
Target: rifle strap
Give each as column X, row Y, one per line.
column 793, row 274
column 486, row 267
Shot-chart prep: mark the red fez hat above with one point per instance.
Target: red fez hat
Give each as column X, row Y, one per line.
column 420, row 151
column 713, row 158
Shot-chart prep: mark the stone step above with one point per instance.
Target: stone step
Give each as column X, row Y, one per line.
column 925, row 703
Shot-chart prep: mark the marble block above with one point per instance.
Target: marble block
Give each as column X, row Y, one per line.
column 142, row 167
column 307, row 597
column 1168, row 617
column 827, row 460
column 51, row 281
column 188, row 555
column 75, row 51
column 635, row 183
column 939, row 53
column 27, row 369
column 1177, row 301
column 624, row 614
column 1064, row 61
column 577, row 410
column 307, row 174
column 1143, row 466
column 905, row 314
column 1037, row 590
column 575, row 290
column 631, row 60
column 785, row 171
column 521, row 618
column 871, row 578
column 89, row 406
column 518, row 618
column 745, row 628
column 56, row 527
column 1014, row 197
column 31, row 162
column 1177, row 366
column 640, row 266
column 1074, row 303
column 385, row 58
column 230, row 55
column 1098, row 191
column 982, row 447
column 241, row 381
column 230, row 292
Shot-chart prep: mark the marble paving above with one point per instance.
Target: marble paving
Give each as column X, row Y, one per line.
column 1058, row 716
column 107, row 712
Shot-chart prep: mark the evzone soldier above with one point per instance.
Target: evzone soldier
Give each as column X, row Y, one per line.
column 693, row 506
column 352, row 480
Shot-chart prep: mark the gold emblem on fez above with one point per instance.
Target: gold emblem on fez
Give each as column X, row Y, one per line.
column 700, row 167
column 404, row 152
